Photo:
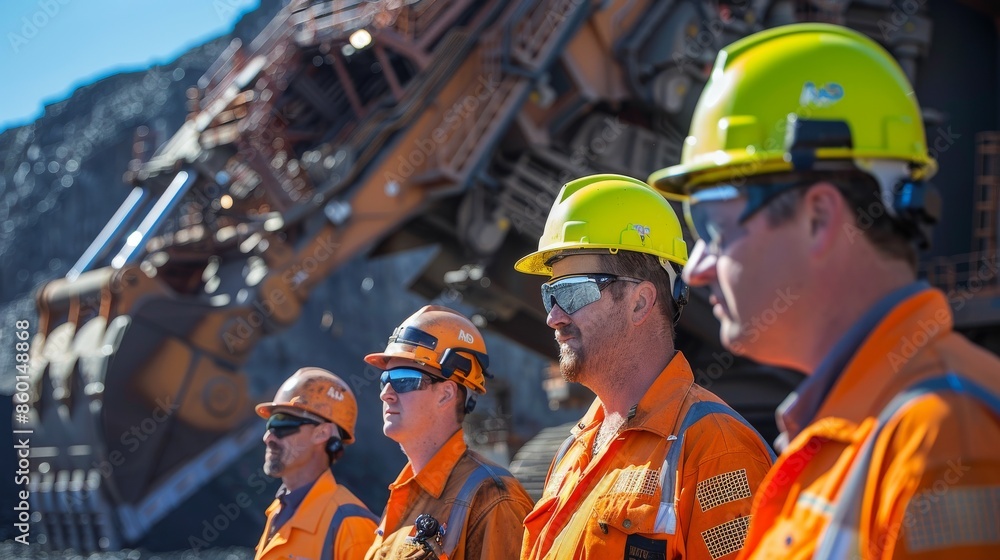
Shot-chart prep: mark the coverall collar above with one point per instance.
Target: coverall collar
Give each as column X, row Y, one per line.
column 326, row 484
column 800, row 407
column 434, row 475
column 658, row 408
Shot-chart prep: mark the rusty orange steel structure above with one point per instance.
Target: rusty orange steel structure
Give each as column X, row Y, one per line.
column 348, row 128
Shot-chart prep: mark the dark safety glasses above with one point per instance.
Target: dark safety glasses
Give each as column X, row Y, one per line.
column 572, row 293
column 284, row 425
column 405, row 380
column 716, row 215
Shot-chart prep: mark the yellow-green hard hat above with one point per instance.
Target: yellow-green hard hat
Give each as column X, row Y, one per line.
column 611, row 212
column 792, row 98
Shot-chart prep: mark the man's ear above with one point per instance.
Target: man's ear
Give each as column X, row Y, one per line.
column 826, row 214
column 448, row 392
column 643, row 302
column 323, row 432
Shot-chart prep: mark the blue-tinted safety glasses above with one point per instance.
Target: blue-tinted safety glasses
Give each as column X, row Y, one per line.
column 405, row 380
column 572, row 293
column 716, row 215
column 284, row 425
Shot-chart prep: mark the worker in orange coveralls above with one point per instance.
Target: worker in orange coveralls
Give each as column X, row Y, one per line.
column 805, row 179
column 449, row 501
column 309, row 421
column 659, row 467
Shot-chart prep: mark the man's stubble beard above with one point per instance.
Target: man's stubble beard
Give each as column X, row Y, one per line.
column 574, row 364
column 275, row 465
column 570, row 363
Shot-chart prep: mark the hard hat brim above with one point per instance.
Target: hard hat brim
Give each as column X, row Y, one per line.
column 381, row 359
column 537, row 262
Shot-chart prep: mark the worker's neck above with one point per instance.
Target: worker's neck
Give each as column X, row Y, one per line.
column 844, row 303
column 305, row 475
column 631, row 376
column 422, row 449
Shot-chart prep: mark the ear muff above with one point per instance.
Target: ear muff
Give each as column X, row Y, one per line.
column 334, row 449
column 470, row 402
column 917, row 207
column 681, row 294
column 680, row 291
column 334, row 445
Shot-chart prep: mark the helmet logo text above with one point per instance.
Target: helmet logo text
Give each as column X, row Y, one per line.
column 334, row 393
column 823, row 96
column 643, row 231
column 466, row 337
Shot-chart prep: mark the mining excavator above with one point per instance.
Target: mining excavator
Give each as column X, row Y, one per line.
column 353, row 128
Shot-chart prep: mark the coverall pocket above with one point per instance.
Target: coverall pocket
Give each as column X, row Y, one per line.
column 628, row 522
column 539, row 517
column 629, row 514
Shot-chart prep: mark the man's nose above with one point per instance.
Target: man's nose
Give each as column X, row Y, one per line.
column 387, row 394
column 700, row 268
column 556, row 317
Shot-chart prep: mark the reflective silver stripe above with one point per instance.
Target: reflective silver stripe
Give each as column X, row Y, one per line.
column 815, row 503
column 343, row 512
column 840, row 539
column 666, row 517
column 563, row 449
column 460, row 510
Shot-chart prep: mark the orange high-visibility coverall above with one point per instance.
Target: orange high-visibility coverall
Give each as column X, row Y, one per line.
column 330, row 523
column 932, row 486
column 492, row 522
column 613, row 505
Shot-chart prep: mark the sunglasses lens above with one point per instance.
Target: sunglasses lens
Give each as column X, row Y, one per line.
column 697, row 219
column 570, row 294
column 403, row 380
column 284, row 425
column 283, row 432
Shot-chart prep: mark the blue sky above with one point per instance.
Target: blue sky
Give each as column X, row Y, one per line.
column 51, row 47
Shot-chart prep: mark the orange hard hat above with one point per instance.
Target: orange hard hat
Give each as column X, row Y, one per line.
column 315, row 393
column 443, row 339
